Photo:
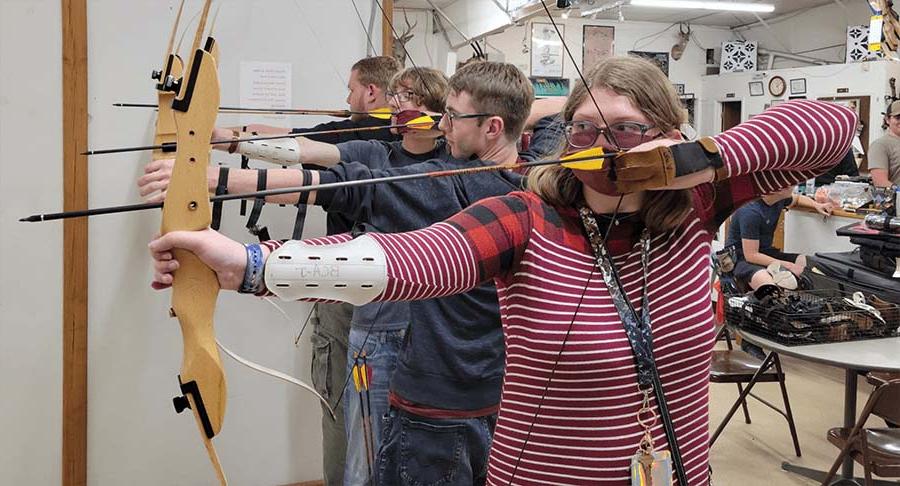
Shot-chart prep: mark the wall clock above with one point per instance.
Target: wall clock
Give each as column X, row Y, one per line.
column 777, row 86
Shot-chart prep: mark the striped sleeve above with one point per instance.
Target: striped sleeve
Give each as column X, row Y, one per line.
column 432, row 262
column 783, row 146
column 484, row 241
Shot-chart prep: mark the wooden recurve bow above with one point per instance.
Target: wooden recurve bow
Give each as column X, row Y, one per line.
column 195, row 287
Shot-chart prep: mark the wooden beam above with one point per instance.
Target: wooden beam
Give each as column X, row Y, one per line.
column 387, row 36
column 75, row 243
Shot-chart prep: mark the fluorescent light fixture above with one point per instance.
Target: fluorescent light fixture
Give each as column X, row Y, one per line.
column 706, row 5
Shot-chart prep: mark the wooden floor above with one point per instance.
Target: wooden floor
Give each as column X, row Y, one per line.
column 752, row 454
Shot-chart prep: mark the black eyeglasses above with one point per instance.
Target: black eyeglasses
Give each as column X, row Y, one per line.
column 450, row 116
column 402, row 96
column 625, row 135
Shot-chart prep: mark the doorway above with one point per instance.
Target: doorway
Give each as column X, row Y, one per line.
column 731, row 114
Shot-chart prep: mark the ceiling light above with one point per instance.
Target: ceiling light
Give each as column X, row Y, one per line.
column 706, row 5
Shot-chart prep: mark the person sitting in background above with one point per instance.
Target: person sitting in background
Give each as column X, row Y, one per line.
column 752, row 231
column 847, row 166
column 884, row 153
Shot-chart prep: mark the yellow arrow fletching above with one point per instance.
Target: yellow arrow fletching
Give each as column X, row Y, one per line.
column 421, row 123
column 589, row 164
column 364, row 372
column 381, row 113
column 356, row 377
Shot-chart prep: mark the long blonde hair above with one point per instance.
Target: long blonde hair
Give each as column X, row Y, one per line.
column 650, row 91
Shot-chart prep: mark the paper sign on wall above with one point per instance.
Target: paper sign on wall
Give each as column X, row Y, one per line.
column 266, row 85
column 876, row 23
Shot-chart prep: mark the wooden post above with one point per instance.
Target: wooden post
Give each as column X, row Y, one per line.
column 75, row 243
column 387, row 36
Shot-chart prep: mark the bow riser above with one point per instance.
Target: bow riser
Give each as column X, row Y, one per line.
column 195, row 287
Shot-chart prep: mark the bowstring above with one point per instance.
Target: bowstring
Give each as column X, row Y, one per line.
column 418, row 72
column 365, row 29
column 593, row 267
column 580, row 74
column 563, row 345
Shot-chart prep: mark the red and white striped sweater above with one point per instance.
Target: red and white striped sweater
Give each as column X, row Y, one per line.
column 586, row 432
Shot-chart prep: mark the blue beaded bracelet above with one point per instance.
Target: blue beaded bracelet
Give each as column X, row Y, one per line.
column 253, row 274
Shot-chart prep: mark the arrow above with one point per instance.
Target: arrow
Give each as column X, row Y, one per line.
column 591, row 159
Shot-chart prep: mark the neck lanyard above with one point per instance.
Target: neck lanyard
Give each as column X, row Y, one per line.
column 639, row 332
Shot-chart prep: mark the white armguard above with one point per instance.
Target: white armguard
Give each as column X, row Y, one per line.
column 354, row 272
column 282, row 151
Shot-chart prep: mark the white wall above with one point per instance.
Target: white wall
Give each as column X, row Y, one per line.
column 639, row 36
column 271, row 433
column 30, row 255
column 426, row 48
column 862, row 79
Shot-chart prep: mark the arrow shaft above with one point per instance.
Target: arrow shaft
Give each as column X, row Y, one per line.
column 172, row 147
column 318, row 187
column 272, row 111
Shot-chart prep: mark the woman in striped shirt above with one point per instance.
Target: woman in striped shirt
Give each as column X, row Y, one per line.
column 570, row 394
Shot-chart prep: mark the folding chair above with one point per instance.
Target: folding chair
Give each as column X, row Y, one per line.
column 877, row 449
column 736, row 366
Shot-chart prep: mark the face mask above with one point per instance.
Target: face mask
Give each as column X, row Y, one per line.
column 598, row 180
column 419, row 119
column 598, row 176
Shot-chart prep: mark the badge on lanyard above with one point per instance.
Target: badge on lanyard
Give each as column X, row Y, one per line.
column 649, row 467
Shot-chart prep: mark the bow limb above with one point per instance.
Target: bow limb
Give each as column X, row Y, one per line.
column 195, row 287
column 165, row 120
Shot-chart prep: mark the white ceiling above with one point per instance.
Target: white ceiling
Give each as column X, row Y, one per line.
column 728, row 19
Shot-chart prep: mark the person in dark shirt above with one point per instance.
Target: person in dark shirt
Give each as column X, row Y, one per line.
column 451, row 363
column 847, row 166
column 752, row 231
column 377, row 330
column 368, row 85
column 367, row 92
column 450, row 368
